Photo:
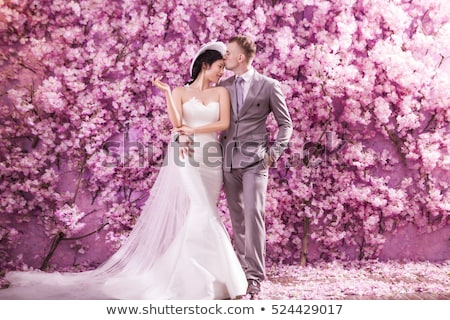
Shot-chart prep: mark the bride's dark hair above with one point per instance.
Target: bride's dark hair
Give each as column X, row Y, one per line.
column 208, row 58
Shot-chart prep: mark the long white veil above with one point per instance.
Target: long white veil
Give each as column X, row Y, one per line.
column 122, row 275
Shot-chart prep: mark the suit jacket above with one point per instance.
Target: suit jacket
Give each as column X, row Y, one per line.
column 246, row 141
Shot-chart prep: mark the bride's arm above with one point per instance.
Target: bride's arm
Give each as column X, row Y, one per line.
column 219, row 125
column 173, row 99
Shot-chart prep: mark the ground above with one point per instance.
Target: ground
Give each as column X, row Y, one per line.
column 356, row 280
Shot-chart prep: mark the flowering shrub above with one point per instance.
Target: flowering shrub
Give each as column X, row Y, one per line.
column 84, row 132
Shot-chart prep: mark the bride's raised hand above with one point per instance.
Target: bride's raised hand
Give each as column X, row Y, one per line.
column 161, row 85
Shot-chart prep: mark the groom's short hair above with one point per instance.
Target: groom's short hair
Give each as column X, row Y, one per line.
column 247, row 44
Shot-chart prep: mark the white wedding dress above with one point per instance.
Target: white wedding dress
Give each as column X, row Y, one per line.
column 178, row 249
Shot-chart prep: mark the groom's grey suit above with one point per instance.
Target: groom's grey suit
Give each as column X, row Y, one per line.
column 245, row 144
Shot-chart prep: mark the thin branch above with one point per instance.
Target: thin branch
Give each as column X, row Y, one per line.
column 86, row 235
column 80, row 175
column 429, row 123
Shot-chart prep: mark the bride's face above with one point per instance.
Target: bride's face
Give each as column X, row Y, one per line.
column 215, row 71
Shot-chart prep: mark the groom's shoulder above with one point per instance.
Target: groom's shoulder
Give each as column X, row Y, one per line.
column 226, row 82
column 263, row 77
column 265, row 81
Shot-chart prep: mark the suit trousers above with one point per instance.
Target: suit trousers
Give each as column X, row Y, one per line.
column 245, row 190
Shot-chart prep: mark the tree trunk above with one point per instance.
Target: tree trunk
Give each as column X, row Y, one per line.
column 304, row 253
column 56, row 240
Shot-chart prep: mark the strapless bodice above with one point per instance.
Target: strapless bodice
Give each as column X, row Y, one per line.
column 196, row 114
column 206, row 147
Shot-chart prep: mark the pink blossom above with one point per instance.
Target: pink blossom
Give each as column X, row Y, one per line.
column 382, row 110
column 70, row 217
column 366, row 85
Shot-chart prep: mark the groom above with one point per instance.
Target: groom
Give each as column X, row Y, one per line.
column 247, row 154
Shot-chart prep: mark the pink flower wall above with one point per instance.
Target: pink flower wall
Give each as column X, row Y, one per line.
column 83, row 132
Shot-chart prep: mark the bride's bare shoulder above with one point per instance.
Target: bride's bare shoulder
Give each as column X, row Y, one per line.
column 180, row 92
column 220, row 90
column 180, row 89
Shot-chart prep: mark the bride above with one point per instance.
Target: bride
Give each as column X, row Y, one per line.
column 179, row 248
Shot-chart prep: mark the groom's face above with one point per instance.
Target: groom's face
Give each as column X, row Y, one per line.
column 234, row 56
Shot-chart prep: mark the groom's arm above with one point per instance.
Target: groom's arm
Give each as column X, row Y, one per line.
column 283, row 119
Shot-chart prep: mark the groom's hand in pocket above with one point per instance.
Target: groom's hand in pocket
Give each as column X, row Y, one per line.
column 268, row 161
